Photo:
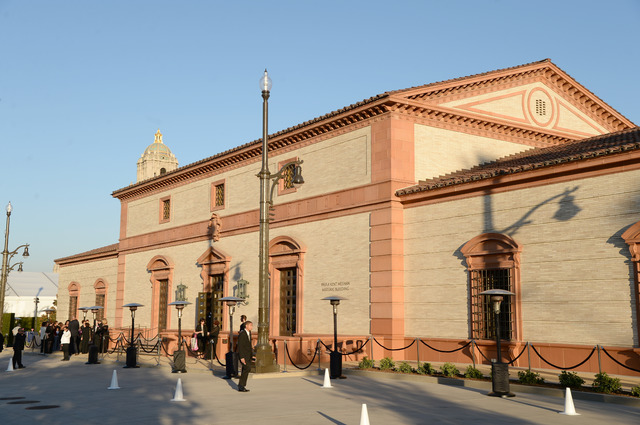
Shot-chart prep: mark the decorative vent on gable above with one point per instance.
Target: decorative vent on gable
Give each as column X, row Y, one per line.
column 541, row 107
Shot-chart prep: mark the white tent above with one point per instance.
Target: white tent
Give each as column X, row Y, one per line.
column 24, row 287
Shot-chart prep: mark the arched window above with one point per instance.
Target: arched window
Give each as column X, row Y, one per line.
column 74, row 294
column 101, row 297
column 286, row 269
column 161, row 269
column 215, row 281
column 493, row 262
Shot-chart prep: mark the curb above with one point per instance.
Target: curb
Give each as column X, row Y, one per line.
column 486, row 385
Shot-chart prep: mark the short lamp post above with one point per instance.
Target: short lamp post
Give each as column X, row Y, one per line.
column 94, row 348
column 179, row 363
column 84, row 311
column 231, row 368
column 6, row 260
column 48, row 312
column 132, row 349
column 335, row 366
column 36, row 300
column 499, row 370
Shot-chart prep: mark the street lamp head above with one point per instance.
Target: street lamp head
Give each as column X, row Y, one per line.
column 9, row 208
column 180, row 304
column 231, row 301
column 265, row 82
column 26, row 251
column 19, row 267
column 334, row 300
column 297, row 175
column 496, row 296
column 133, row 306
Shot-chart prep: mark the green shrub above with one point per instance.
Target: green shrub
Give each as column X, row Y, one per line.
column 635, row 391
column 527, row 377
column 449, row 369
column 570, row 379
column 474, row 373
column 606, row 384
column 366, row 363
column 426, row 369
column 387, row 364
column 405, row 367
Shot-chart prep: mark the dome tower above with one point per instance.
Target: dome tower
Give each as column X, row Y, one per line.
column 156, row 160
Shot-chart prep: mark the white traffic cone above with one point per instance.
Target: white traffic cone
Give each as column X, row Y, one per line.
column 364, row 416
column 569, row 408
column 327, row 380
column 10, row 367
column 114, row 381
column 178, row 394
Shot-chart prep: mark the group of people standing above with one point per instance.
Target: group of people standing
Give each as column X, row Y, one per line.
column 207, row 338
column 72, row 338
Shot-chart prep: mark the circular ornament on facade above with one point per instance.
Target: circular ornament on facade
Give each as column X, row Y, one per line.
column 540, row 107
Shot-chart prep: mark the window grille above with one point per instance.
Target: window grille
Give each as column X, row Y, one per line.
column 219, row 195
column 482, row 315
column 288, row 299
column 287, row 176
column 163, row 301
column 100, row 302
column 166, row 209
column 73, row 306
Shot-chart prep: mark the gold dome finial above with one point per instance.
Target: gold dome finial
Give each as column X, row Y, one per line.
column 158, row 137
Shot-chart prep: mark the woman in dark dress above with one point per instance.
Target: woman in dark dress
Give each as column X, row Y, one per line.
column 86, row 337
column 105, row 336
column 201, row 333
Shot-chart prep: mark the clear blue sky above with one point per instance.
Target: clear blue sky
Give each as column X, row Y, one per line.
column 84, row 85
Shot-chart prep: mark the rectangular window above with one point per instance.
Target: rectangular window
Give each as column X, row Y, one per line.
column 288, row 298
column 165, row 209
column 482, row 315
column 100, row 302
column 218, row 195
column 73, row 307
column 163, row 305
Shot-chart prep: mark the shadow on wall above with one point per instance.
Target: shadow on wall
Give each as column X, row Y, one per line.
column 567, row 210
column 617, row 241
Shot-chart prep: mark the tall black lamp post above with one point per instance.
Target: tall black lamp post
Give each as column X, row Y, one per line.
column 231, row 361
column 335, row 358
column 265, row 359
column 132, row 349
column 6, row 259
column 499, row 370
column 179, row 363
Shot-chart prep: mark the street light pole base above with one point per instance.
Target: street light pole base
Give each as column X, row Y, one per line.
column 500, row 380
column 266, row 360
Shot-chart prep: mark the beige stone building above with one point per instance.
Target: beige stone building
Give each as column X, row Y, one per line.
column 414, row 202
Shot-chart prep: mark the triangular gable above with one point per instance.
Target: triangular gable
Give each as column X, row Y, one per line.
column 534, row 105
column 537, row 96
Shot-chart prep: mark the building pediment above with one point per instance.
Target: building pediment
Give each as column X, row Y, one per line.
column 538, row 96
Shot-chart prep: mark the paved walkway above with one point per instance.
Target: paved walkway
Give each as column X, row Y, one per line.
column 144, row 397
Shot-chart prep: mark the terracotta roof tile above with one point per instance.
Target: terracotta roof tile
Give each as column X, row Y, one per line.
column 103, row 250
column 605, row 145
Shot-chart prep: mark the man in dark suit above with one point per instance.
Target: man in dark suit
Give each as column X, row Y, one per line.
column 74, row 328
column 18, row 346
column 245, row 354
